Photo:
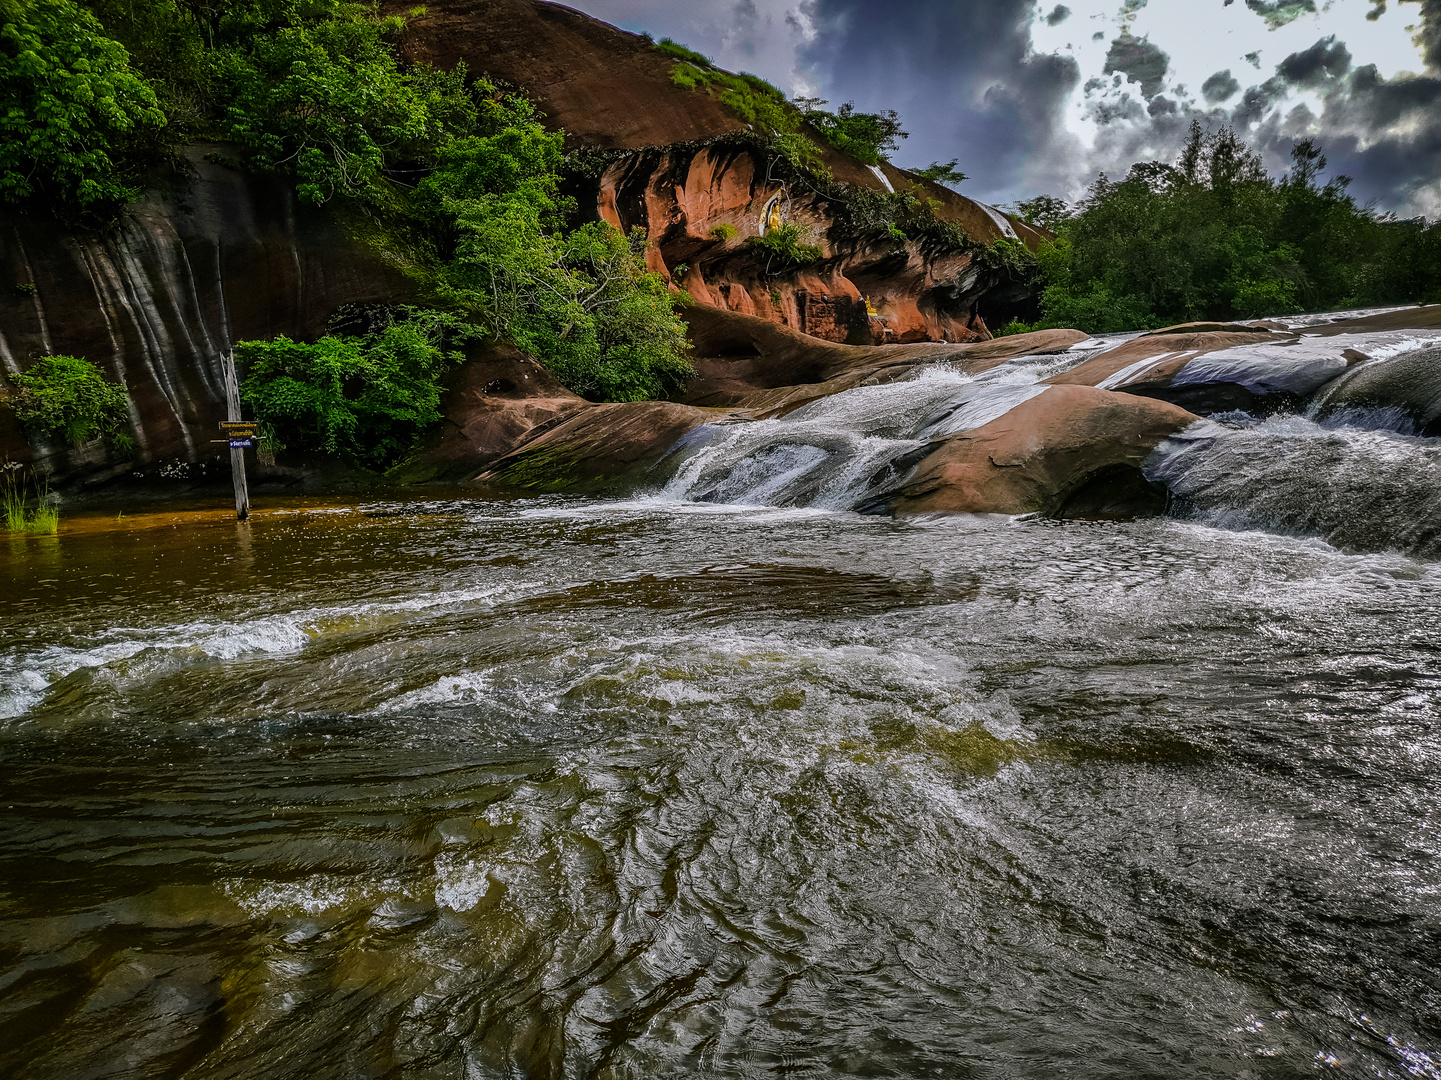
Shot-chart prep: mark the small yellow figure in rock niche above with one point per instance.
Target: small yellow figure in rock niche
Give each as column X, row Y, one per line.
column 774, row 221
column 870, row 307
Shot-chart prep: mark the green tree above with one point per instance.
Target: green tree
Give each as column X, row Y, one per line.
column 328, row 100
column 70, row 105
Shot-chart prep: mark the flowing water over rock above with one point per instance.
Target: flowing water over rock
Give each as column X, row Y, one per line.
column 633, row 789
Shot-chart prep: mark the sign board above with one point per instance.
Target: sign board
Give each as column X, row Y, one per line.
column 239, row 428
column 241, row 444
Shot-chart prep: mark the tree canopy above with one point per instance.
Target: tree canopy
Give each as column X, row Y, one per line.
column 1212, row 236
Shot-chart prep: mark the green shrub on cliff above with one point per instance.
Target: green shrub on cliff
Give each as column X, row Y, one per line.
column 71, row 107
column 366, row 397
column 65, row 397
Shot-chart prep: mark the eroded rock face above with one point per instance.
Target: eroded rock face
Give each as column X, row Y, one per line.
column 866, row 289
column 500, row 398
column 1071, row 451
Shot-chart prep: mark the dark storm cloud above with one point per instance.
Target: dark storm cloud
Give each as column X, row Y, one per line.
column 1059, row 14
column 1140, row 61
column 1220, row 86
column 1322, row 63
column 964, row 77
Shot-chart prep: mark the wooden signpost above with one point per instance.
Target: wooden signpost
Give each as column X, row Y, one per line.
column 240, row 434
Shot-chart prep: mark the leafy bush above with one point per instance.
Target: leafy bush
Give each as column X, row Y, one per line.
column 69, row 105
column 582, row 301
column 365, row 397
column 724, row 231
column 67, row 397
column 785, row 248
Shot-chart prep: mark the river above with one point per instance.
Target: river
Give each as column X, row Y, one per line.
column 460, row 787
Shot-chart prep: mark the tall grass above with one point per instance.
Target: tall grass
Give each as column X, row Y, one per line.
column 15, row 497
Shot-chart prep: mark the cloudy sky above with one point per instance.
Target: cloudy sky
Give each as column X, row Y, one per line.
column 1038, row 97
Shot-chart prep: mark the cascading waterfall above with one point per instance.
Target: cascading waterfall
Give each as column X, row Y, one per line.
column 1359, row 489
column 840, row 451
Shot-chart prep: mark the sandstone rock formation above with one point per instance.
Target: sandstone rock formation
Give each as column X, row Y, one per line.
column 1071, row 451
column 681, row 165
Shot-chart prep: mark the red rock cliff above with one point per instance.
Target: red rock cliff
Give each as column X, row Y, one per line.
column 684, row 169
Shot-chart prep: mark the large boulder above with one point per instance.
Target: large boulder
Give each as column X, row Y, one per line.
column 1070, row 451
column 1402, row 393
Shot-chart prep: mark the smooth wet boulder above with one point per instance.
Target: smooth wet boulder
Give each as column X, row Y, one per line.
column 1402, row 393
column 600, row 447
column 1071, row 451
column 496, row 400
column 1213, row 371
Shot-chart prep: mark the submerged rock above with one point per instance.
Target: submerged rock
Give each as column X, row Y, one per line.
column 1402, row 393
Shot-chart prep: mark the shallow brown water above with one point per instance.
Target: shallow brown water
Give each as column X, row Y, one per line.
column 483, row 789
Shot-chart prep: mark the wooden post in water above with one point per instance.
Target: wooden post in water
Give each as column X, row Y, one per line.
column 231, row 429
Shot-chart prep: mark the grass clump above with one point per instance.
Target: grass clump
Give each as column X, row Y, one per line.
column 724, row 231
column 15, row 499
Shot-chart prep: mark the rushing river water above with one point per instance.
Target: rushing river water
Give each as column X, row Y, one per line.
column 630, row 789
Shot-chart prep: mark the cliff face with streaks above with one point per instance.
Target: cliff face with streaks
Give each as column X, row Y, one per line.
column 211, row 258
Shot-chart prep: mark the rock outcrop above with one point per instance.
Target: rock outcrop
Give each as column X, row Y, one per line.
column 600, row 448
column 1071, row 451
column 746, row 362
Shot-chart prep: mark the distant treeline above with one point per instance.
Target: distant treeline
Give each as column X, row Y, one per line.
column 1214, row 237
